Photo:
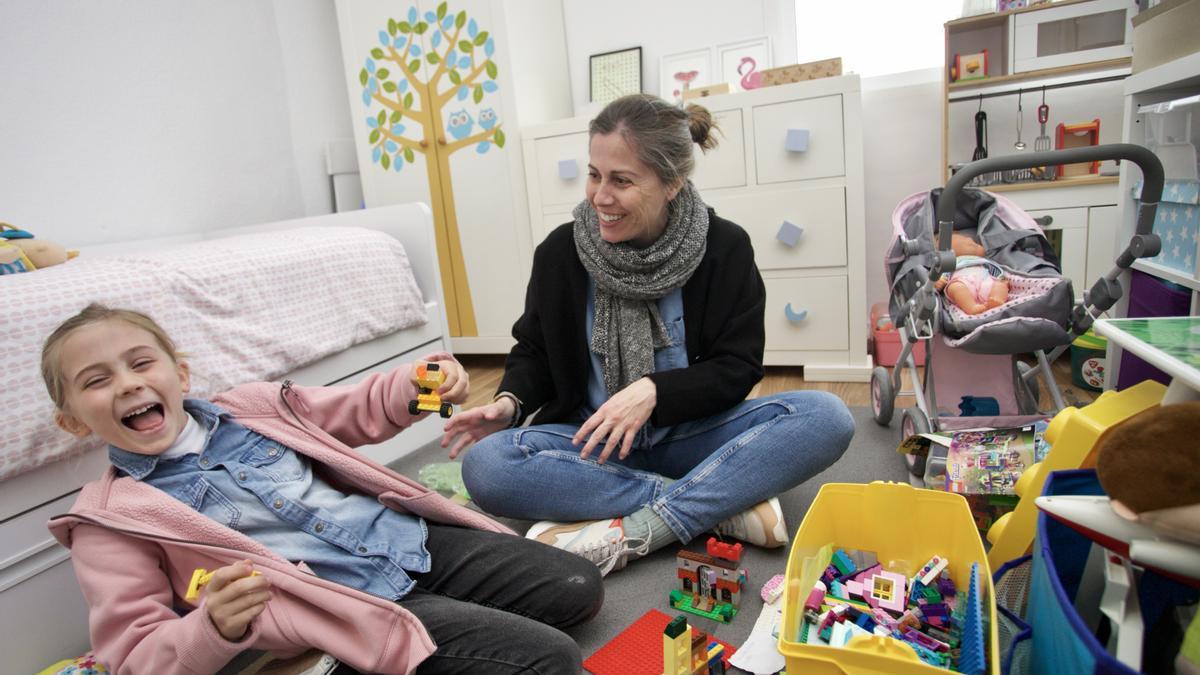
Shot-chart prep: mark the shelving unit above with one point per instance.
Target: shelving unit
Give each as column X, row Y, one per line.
column 1078, row 86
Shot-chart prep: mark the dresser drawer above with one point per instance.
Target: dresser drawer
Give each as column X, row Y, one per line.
column 724, row 166
column 798, row 140
column 807, row 313
column 819, row 214
column 562, row 168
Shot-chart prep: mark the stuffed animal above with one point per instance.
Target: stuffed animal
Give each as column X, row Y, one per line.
column 977, row 284
column 1150, row 468
column 20, row 252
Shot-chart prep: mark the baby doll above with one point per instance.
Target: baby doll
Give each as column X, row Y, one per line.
column 977, row 284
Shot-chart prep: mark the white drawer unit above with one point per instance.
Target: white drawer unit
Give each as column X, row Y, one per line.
column 788, row 169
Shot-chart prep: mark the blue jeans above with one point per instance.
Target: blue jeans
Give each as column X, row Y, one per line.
column 721, row 465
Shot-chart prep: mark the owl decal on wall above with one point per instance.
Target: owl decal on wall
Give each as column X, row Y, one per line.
column 487, row 118
column 460, row 124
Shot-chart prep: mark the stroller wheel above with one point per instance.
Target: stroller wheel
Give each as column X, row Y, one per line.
column 883, row 397
column 913, row 421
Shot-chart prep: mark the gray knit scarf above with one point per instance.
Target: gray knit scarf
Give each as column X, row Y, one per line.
column 629, row 281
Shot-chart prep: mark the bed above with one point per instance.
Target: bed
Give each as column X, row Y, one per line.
column 352, row 314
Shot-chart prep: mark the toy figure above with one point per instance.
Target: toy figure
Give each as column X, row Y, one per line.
column 21, row 252
column 429, row 378
column 977, row 284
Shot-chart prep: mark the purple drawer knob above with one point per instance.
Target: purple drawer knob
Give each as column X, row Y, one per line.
column 789, row 233
column 568, row 169
column 797, row 140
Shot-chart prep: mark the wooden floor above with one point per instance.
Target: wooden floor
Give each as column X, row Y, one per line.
column 485, row 372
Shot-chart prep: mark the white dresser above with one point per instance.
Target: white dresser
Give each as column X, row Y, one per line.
column 789, row 169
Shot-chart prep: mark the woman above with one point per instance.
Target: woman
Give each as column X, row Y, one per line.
column 641, row 337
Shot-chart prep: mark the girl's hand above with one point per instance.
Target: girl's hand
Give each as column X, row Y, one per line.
column 618, row 420
column 471, row 425
column 234, row 598
column 456, row 385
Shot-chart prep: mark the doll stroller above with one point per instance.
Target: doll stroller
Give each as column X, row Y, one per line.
column 971, row 360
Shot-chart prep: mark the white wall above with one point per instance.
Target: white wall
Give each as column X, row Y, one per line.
column 144, row 118
column 666, row 27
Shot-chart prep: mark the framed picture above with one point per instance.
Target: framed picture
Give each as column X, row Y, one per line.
column 615, row 74
column 970, row 66
column 679, row 72
column 741, row 63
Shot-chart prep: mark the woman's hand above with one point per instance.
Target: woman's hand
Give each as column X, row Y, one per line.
column 456, row 385
column 618, row 420
column 234, row 598
column 471, row 425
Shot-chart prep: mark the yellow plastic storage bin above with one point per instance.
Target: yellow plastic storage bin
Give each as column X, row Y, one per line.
column 905, row 527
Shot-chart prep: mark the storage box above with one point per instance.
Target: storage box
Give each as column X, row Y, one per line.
column 905, row 527
column 886, row 339
column 1165, row 32
column 1177, row 222
column 1088, row 361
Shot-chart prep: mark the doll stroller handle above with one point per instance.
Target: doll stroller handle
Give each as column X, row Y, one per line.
column 1144, row 243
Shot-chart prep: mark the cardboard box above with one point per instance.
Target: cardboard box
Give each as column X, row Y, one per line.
column 1165, row 32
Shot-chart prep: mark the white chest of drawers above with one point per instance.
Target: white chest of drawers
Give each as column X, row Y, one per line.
column 789, row 170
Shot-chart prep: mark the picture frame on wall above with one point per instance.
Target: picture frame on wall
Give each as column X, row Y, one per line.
column 682, row 71
column 615, row 74
column 741, row 63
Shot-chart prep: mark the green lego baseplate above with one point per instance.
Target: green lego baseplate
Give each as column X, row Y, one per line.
column 723, row 612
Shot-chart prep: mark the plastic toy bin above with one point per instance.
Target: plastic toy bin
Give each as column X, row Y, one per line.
column 905, row 527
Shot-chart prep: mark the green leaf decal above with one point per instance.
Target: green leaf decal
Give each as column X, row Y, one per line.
column 441, row 11
column 433, row 58
column 389, row 86
column 408, row 154
column 420, row 29
column 478, row 93
column 374, row 137
column 396, row 115
column 490, row 67
column 455, row 77
column 499, row 138
column 408, row 99
column 414, row 65
column 405, row 27
column 392, row 27
column 363, row 77
column 381, row 117
column 481, row 38
column 386, row 160
column 383, row 73
column 465, row 46
column 377, row 53
column 460, row 19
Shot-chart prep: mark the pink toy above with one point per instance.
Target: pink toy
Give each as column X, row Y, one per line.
column 815, row 598
column 774, row 588
column 886, row 590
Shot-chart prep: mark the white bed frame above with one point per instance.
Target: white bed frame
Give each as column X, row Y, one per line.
column 43, row 617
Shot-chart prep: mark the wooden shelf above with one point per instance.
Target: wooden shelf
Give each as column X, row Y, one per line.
column 999, row 17
column 1050, row 184
column 1110, row 64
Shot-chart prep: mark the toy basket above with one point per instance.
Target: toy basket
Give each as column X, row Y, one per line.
column 905, row 527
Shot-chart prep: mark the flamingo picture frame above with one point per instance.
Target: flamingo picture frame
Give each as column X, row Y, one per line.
column 683, row 71
column 741, row 63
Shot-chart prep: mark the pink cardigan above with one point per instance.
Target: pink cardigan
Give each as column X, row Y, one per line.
column 134, row 547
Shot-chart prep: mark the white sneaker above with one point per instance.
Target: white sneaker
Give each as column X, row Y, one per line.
column 761, row 525
column 601, row 541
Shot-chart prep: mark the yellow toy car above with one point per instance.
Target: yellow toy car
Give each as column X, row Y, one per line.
column 429, row 378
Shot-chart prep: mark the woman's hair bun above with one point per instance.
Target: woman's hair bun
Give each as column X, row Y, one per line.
column 701, row 126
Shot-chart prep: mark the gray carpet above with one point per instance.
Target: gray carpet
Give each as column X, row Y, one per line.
column 646, row 583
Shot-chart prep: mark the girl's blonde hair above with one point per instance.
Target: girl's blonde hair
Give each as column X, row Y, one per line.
column 94, row 313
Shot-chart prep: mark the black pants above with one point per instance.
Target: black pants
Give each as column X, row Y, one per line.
column 494, row 603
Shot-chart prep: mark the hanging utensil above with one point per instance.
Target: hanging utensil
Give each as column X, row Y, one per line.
column 1042, row 142
column 980, row 133
column 1019, row 145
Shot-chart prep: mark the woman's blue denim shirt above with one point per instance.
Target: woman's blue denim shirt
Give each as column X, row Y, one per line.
column 268, row 492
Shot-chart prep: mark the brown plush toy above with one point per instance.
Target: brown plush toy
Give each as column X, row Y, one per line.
column 21, row 252
column 1150, row 468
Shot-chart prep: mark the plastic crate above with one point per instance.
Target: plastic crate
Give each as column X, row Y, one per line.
column 905, row 527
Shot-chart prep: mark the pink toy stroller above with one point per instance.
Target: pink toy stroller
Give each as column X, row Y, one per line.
column 971, row 365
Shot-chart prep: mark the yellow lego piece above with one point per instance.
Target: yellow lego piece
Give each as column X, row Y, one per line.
column 200, row 578
column 429, row 378
column 1072, row 435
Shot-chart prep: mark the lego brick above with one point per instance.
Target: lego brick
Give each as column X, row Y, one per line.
column 638, row 650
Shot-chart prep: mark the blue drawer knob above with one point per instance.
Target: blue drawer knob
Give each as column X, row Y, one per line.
column 794, row 316
column 789, row 233
column 797, row 140
column 568, row 169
